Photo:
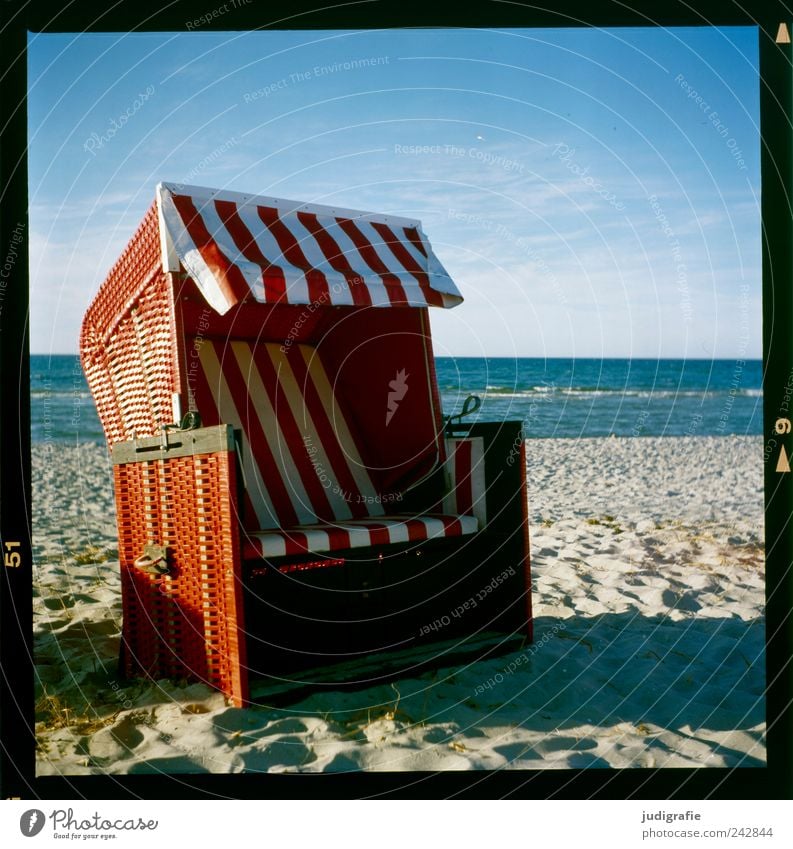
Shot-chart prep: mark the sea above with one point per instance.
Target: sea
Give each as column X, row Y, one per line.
column 560, row 398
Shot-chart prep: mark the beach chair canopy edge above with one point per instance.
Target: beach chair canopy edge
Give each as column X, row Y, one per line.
column 279, row 251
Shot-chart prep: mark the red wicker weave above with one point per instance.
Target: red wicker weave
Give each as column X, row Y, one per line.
column 128, row 343
column 187, row 623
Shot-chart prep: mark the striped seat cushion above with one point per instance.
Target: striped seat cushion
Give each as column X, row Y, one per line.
column 360, row 533
column 300, row 461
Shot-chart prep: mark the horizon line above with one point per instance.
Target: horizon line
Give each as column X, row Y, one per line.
column 522, row 357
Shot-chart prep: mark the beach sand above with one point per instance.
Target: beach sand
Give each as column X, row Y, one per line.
column 647, row 560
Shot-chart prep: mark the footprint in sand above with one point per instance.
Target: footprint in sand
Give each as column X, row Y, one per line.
column 284, row 752
column 683, row 602
column 126, row 733
column 514, row 752
column 439, row 734
column 288, row 725
column 59, row 602
column 113, row 744
column 342, row 762
column 242, row 728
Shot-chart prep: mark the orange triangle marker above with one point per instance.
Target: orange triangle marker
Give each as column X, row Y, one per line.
column 783, row 464
column 783, row 34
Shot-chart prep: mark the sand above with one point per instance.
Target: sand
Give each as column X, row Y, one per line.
column 647, row 558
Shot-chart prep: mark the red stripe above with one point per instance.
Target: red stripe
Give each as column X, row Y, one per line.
column 413, row 237
column 319, row 506
column 263, row 456
column 378, row 534
column 327, row 435
column 463, row 489
column 417, row 530
column 296, row 542
column 338, row 538
column 317, row 284
column 335, row 256
column 396, row 294
column 232, row 284
column 452, row 526
column 403, row 255
column 272, row 276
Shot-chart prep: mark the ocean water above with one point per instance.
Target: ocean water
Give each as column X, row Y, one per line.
column 61, row 407
column 553, row 397
column 598, row 397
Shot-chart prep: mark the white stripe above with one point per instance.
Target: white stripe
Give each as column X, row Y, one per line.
column 306, row 242
column 397, row 531
column 340, row 293
column 318, row 541
column 191, row 257
column 413, row 291
column 359, row 537
column 227, row 411
column 296, row 283
column 450, row 499
column 468, row 525
column 272, row 544
column 372, row 281
column 219, row 232
column 435, row 527
column 402, row 239
column 316, row 538
column 478, row 480
column 440, row 280
column 421, row 260
column 276, row 441
column 336, row 417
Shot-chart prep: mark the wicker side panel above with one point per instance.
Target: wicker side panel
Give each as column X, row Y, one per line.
column 187, row 623
column 127, row 344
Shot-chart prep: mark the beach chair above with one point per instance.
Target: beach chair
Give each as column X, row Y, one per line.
column 289, row 496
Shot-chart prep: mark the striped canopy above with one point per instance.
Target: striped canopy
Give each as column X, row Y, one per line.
column 284, row 252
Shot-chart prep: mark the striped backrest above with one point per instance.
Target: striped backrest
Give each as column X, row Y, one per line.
column 299, row 457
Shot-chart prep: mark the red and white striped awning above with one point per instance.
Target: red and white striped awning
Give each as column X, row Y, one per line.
column 284, row 252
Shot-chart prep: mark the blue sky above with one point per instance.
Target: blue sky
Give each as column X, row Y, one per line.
column 592, row 193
